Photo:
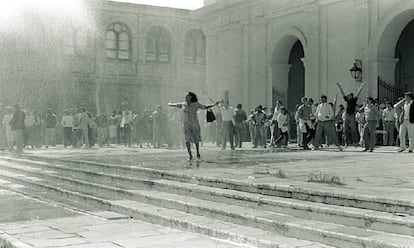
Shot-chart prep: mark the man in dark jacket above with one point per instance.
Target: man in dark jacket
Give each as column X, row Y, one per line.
column 17, row 127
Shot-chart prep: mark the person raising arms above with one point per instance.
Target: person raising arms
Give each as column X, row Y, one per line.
column 351, row 136
column 191, row 125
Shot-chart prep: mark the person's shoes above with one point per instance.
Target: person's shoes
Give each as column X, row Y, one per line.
column 340, row 148
column 410, row 151
column 264, row 146
column 254, row 146
column 233, row 148
column 370, row 150
column 401, row 150
column 315, row 148
column 190, row 159
column 365, row 150
column 306, row 147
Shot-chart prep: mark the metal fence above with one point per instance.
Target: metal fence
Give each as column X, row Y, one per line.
column 390, row 91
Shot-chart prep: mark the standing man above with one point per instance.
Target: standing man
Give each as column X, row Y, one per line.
column 407, row 125
column 388, row 118
column 84, row 122
column 67, row 123
column 102, row 124
column 305, row 124
column 240, row 117
column 158, row 127
column 351, row 136
column 50, row 123
column 259, row 120
column 227, row 113
column 274, row 128
column 372, row 116
column 324, row 115
column 17, row 127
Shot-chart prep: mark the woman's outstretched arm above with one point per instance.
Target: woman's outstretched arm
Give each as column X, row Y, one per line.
column 177, row 104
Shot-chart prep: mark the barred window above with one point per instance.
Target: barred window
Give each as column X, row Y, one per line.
column 158, row 46
column 195, row 47
column 118, row 42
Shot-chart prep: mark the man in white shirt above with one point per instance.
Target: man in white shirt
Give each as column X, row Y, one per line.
column 407, row 125
column 227, row 113
column 67, row 123
column 388, row 120
column 324, row 117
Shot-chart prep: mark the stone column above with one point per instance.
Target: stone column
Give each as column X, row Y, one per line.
column 279, row 80
column 211, row 86
column 383, row 68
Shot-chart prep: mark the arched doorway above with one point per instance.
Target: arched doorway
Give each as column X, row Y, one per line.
column 390, row 51
column 296, row 84
column 404, row 52
column 288, row 72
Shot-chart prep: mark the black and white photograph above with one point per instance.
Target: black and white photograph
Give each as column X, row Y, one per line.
column 206, row 123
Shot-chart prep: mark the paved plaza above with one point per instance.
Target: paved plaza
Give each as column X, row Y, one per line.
column 26, row 222
column 384, row 173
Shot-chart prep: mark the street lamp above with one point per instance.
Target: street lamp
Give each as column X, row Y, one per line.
column 356, row 70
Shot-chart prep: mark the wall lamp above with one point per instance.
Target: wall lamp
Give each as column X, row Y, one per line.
column 356, row 70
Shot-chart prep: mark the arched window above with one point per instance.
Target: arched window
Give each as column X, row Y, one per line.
column 195, row 47
column 118, row 41
column 158, row 45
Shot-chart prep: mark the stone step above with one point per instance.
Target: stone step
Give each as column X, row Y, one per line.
column 331, row 197
column 306, row 210
column 164, row 216
column 317, row 231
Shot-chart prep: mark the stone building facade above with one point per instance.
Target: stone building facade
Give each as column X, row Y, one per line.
column 267, row 50
column 115, row 53
column 250, row 51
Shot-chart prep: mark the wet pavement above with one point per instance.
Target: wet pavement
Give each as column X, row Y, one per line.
column 27, row 222
column 385, row 173
column 382, row 173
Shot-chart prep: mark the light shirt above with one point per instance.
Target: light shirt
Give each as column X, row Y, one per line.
column 282, row 122
column 276, row 113
column 227, row 114
column 67, row 121
column 407, row 106
column 388, row 114
column 29, row 121
column 324, row 112
column 371, row 113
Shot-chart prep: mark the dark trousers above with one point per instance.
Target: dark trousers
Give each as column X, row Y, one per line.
column 308, row 136
column 283, row 136
column 67, row 136
column 328, row 128
column 238, row 133
column 351, row 135
column 369, row 134
column 126, row 134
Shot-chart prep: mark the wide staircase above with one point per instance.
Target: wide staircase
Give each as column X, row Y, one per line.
column 247, row 213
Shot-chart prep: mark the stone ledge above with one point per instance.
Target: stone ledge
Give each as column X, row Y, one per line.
column 7, row 241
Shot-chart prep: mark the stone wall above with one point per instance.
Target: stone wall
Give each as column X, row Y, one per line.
column 50, row 71
column 249, row 43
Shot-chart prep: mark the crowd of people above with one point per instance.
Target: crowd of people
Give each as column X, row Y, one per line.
column 78, row 128
column 314, row 124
